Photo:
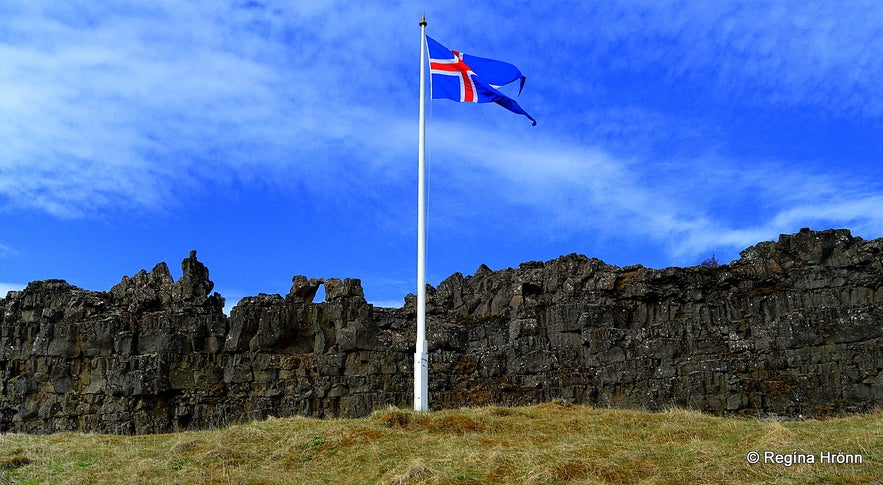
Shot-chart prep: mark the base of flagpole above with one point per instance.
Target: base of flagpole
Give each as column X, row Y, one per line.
column 421, row 381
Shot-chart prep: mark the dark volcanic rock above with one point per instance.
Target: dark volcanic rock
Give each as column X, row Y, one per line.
column 792, row 328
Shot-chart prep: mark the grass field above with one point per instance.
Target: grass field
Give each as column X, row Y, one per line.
column 548, row 443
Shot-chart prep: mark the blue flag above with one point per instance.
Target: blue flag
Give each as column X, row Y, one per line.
column 472, row 79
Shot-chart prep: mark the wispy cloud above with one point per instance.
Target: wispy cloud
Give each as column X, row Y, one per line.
column 796, row 52
column 127, row 108
column 5, row 288
column 689, row 207
column 133, row 108
column 7, row 251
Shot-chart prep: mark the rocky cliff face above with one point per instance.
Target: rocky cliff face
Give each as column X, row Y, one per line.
column 794, row 327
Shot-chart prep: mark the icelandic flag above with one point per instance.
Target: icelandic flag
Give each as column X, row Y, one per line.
column 470, row 79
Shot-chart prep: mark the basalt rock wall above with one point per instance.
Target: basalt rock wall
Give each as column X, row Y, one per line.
column 794, row 327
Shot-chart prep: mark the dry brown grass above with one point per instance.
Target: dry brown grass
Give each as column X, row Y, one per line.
column 549, row 443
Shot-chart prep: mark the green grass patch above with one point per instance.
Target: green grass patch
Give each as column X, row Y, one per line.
column 548, row 443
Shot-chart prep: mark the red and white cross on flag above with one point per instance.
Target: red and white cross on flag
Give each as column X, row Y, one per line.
column 456, row 67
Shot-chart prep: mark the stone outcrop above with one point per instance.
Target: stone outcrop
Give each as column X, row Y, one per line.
column 794, row 327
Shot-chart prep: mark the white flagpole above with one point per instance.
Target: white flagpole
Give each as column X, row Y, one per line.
column 421, row 365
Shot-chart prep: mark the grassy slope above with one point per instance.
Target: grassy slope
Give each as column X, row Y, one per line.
column 549, row 443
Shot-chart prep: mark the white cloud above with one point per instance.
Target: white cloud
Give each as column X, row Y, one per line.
column 691, row 207
column 5, row 288
column 7, row 251
column 127, row 108
column 797, row 53
column 852, row 210
column 388, row 303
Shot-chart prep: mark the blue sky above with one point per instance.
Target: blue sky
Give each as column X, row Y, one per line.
column 280, row 138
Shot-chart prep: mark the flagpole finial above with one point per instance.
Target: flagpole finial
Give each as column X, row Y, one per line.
column 423, row 20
